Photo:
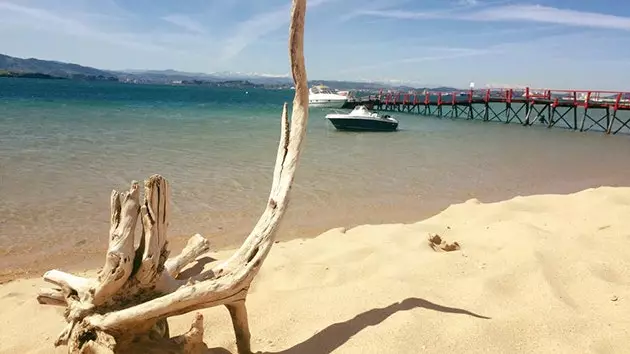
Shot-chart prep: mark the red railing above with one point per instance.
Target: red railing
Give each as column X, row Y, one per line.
column 579, row 98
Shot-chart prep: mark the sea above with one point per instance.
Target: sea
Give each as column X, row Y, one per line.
column 65, row 145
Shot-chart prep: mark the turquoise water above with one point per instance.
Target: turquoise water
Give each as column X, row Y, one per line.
column 65, row 145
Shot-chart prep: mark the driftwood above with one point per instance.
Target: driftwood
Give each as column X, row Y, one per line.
column 126, row 307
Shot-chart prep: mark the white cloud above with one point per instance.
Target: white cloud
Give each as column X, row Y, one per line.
column 448, row 53
column 400, row 14
column 372, row 6
column 507, row 13
column 546, row 14
column 519, row 48
column 250, row 30
column 185, row 22
column 258, row 26
column 72, row 24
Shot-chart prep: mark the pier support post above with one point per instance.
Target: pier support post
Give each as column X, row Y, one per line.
column 508, row 108
column 528, row 111
column 612, row 121
column 485, row 111
column 584, row 119
column 551, row 121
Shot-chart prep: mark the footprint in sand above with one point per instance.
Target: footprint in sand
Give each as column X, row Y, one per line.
column 607, row 273
column 553, row 277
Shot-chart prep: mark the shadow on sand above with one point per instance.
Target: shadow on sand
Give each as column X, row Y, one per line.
column 335, row 335
column 197, row 268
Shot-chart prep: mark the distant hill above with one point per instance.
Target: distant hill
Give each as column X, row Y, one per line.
column 18, row 67
column 52, row 68
column 269, row 81
column 25, row 75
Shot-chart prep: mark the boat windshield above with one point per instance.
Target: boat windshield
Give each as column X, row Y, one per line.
column 321, row 89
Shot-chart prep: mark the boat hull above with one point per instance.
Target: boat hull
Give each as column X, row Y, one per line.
column 326, row 103
column 355, row 124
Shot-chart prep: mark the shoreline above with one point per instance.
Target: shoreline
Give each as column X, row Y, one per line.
column 84, row 256
column 370, row 286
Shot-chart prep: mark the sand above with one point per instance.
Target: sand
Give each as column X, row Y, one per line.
column 537, row 274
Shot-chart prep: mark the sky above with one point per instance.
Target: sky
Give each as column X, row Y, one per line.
column 557, row 44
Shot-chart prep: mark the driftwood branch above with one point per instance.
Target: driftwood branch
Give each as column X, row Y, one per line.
column 154, row 226
column 125, row 208
column 49, row 296
column 126, row 307
column 196, row 246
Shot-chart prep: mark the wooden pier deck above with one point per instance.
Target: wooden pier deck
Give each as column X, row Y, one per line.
column 606, row 111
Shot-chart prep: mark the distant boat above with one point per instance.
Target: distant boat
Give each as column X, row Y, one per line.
column 322, row 96
column 361, row 119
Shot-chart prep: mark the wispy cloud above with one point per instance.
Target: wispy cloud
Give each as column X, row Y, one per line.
column 528, row 13
column 185, row 22
column 539, row 13
column 258, row 26
column 252, row 29
column 491, row 35
column 447, row 53
column 70, row 24
column 373, row 6
column 411, row 15
column 516, row 47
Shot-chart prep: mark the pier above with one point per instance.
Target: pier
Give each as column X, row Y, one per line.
column 583, row 110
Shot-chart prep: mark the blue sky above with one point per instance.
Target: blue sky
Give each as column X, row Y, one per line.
column 544, row 43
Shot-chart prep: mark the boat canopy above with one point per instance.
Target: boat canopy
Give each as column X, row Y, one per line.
column 321, row 89
column 361, row 109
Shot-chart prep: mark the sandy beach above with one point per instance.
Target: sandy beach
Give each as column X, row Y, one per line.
column 536, row 274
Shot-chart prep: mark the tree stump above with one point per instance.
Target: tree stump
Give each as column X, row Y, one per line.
column 126, row 307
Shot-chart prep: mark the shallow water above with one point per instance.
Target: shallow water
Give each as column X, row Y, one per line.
column 65, row 145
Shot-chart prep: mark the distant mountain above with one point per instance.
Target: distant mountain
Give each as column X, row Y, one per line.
column 52, row 68
column 267, row 80
column 278, row 81
column 167, row 72
column 17, row 67
column 168, row 76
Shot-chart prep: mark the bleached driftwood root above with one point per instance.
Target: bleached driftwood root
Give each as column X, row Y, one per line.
column 126, row 307
column 196, row 246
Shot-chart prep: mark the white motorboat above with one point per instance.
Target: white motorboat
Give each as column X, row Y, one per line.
column 361, row 119
column 323, row 97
